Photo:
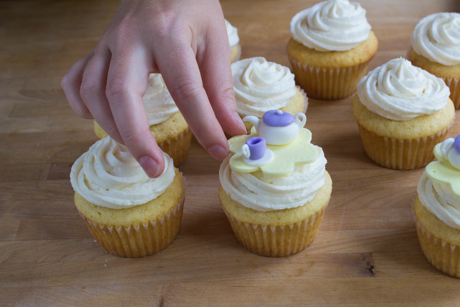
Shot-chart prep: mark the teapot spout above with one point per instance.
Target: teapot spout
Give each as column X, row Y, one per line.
column 253, row 120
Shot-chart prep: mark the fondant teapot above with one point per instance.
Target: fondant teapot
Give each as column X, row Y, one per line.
column 278, row 127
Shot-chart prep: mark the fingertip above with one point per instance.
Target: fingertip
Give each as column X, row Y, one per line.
column 238, row 122
column 153, row 168
column 217, row 152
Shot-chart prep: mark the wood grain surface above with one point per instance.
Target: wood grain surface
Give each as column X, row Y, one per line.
column 366, row 252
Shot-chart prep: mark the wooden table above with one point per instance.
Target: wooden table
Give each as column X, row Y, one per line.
column 366, row 252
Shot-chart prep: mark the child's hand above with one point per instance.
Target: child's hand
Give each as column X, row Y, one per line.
column 185, row 41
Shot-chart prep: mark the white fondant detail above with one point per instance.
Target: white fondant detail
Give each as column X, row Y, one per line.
column 267, row 158
column 450, row 153
column 245, row 150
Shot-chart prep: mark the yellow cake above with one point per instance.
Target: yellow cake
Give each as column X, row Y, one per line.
column 440, row 54
column 233, row 40
column 394, row 129
column 275, row 209
column 326, row 66
column 128, row 213
column 436, row 209
column 167, row 124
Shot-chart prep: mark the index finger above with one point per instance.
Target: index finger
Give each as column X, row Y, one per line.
column 126, row 84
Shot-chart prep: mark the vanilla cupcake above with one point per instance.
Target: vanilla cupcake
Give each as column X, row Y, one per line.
column 436, row 48
column 274, row 187
column 402, row 112
column 130, row 214
column 260, row 86
column 330, row 49
column 234, row 41
column 167, row 124
column 437, row 209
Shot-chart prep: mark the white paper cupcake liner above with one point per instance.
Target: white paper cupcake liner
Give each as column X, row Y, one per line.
column 442, row 255
column 328, row 83
column 142, row 240
column 178, row 147
column 454, row 87
column 277, row 241
column 398, row 153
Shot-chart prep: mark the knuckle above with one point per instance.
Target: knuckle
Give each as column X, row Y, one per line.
column 89, row 86
column 115, row 87
column 66, row 81
column 186, row 90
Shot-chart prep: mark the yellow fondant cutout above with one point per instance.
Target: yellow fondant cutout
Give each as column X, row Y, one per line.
column 299, row 152
column 443, row 172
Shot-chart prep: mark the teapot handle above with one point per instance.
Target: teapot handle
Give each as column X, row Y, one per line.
column 300, row 119
column 245, row 150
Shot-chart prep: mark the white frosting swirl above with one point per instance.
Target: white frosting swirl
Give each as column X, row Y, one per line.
column 267, row 193
column 261, row 86
column 107, row 175
column 439, row 200
column 399, row 91
column 232, row 34
column 158, row 102
column 437, row 38
column 450, row 153
column 334, row 25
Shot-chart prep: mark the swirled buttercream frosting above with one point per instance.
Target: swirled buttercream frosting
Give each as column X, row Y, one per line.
column 334, row 25
column 437, row 38
column 158, row 102
column 263, row 192
column 261, row 86
column 107, row 175
column 399, row 91
column 232, row 34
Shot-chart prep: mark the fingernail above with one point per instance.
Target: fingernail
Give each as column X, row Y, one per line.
column 238, row 119
column 217, row 152
column 150, row 166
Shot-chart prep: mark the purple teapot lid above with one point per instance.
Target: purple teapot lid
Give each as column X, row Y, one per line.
column 457, row 143
column 278, row 118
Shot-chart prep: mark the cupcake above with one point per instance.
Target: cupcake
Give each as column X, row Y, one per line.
column 330, row 49
column 167, row 124
column 437, row 209
column 436, row 48
column 130, row 214
column 260, row 86
column 402, row 112
column 274, row 185
column 234, row 41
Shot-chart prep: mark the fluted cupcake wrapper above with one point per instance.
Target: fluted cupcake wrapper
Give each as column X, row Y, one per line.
column 454, row 87
column 442, row 255
column 142, row 240
column 277, row 241
column 178, row 147
column 398, row 153
column 328, row 83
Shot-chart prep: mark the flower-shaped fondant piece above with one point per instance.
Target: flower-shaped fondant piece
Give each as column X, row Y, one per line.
column 443, row 171
column 299, row 152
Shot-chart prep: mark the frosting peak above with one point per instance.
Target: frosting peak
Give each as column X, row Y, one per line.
column 232, row 34
column 334, row 25
column 399, row 91
column 261, row 86
column 108, row 175
column 437, row 38
column 158, row 102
